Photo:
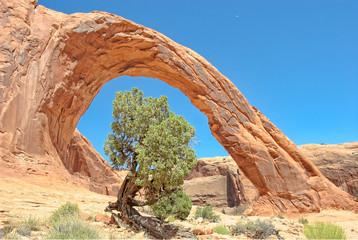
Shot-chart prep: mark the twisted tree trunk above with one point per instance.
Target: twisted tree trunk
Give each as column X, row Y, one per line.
column 125, row 201
column 129, row 215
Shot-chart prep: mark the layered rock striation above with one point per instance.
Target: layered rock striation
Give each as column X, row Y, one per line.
column 337, row 162
column 53, row 65
column 217, row 181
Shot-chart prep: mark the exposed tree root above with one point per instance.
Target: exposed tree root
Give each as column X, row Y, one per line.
column 157, row 228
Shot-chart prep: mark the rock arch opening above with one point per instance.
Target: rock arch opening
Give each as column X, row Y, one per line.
column 95, row 123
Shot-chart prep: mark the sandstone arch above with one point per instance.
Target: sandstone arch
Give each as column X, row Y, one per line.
column 54, row 64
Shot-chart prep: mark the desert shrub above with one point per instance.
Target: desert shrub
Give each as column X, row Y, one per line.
column 66, row 210
column 260, row 229
column 321, row 230
column 357, row 194
column 303, row 221
column 9, row 226
column 24, row 228
column 24, row 231
column 220, row 229
column 171, row 218
column 280, row 217
column 65, row 223
column 72, row 228
column 32, row 223
column 12, row 235
column 206, row 213
column 178, row 205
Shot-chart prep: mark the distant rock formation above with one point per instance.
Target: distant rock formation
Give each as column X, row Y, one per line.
column 217, row 181
column 337, row 162
column 208, row 182
column 52, row 65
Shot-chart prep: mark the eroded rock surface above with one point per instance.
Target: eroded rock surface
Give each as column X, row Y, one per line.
column 217, row 181
column 337, row 162
column 53, row 65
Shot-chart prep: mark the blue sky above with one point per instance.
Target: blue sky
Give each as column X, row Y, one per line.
column 296, row 61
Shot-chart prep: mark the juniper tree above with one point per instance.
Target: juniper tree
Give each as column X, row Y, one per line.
column 152, row 143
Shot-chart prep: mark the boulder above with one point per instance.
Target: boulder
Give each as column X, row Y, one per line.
column 217, row 181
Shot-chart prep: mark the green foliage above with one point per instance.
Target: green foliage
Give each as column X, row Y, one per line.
column 280, row 217
column 72, row 228
column 65, row 223
column 178, row 205
column 66, row 210
column 32, row 223
column 171, row 218
column 357, row 194
column 321, row 230
column 151, row 142
column 303, row 221
column 10, row 225
column 221, row 229
column 13, row 228
column 206, row 213
column 260, row 229
column 12, row 235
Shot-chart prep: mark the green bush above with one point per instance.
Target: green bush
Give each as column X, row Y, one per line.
column 170, row 218
column 32, row 223
column 220, row 229
column 65, row 223
column 23, row 228
column 303, row 221
column 260, row 229
column 12, row 235
column 9, row 226
column 177, row 204
column 321, row 230
column 66, row 210
column 280, row 217
column 206, row 213
column 72, row 228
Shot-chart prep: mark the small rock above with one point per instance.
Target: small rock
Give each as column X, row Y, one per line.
column 103, row 218
column 86, row 216
column 249, row 212
column 203, row 231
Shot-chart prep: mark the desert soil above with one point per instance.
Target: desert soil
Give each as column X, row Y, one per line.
column 36, row 196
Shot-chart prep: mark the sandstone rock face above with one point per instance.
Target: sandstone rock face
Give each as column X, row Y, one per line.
column 53, row 65
column 218, row 182
column 89, row 167
column 337, row 162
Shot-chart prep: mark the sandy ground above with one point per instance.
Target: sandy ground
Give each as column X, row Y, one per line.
column 22, row 196
column 41, row 196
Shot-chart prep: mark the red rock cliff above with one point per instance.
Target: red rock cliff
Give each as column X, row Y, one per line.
column 53, row 65
column 337, row 162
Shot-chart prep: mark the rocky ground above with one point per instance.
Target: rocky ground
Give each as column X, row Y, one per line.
column 36, row 196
